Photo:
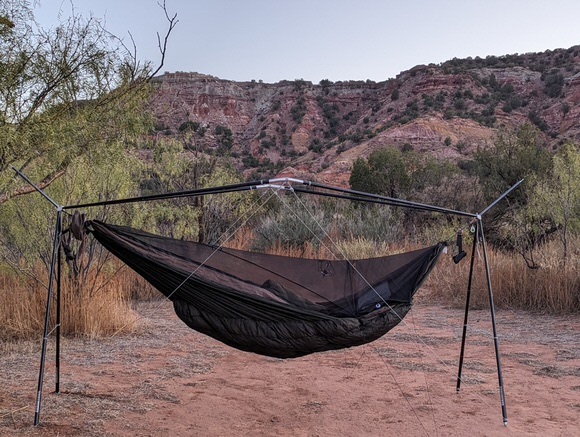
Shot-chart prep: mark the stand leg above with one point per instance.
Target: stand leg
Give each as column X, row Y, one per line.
column 495, row 340
column 58, row 305
column 55, row 248
column 467, row 298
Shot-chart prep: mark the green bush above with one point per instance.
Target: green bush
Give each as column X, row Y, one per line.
column 298, row 111
column 291, row 225
column 189, row 125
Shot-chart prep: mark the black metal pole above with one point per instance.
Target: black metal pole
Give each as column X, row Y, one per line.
column 395, row 201
column 55, row 248
column 513, row 187
column 42, row 193
column 245, row 186
column 492, row 309
column 375, row 200
column 58, row 305
column 467, row 298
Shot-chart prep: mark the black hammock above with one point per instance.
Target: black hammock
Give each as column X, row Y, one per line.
column 274, row 305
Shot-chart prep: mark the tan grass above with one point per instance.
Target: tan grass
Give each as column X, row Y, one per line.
column 21, row 310
column 102, row 311
column 99, row 308
column 554, row 287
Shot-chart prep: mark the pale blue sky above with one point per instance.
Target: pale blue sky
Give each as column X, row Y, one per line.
column 273, row 40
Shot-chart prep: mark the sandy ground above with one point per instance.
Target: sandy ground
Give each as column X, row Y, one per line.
column 169, row 380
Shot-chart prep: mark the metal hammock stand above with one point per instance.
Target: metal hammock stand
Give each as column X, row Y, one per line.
column 281, row 183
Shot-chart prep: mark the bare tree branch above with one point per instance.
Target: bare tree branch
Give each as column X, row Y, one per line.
column 27, row 189
column 163, row 47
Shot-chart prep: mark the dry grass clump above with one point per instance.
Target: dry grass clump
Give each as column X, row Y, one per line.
column 329, row 248
column 554, row 287
column 100, row 311
column 21, row 309
column 100, row 306
column 360, row 248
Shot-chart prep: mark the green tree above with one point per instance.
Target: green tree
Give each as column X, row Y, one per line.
column 65, row 92
column 71, row 105
column 27, row 222
column 385, row 172
column 515, row 155
column 178, row 165
column 394, row 173
column 559, row 195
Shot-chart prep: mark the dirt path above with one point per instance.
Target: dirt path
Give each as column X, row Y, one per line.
column 169, row 380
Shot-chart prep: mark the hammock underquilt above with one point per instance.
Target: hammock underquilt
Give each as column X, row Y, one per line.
column 274, row 305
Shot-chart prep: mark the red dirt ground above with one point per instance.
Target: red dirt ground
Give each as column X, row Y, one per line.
column 169, row 380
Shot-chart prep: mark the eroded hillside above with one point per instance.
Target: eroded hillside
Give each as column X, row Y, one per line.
column 296, row 128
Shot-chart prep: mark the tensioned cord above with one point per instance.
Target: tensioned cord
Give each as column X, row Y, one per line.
column 403, row 204
column 289, row 280
column 428, row 391
column 230, row 232
column 402, row 391
column 341, row 252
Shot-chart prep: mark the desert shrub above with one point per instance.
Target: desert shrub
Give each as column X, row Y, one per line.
column 384, row 172
column 452, row 190
column 396, row 173
column 298, row 111
column 538, row 121
column 373, row 223
column 553, row 84
column 316, row 146
column 189, row 126
column 290, row 228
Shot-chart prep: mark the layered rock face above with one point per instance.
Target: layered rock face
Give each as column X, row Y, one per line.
column 300, row 129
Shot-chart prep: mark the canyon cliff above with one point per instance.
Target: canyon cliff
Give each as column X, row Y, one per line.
column 300, row 129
